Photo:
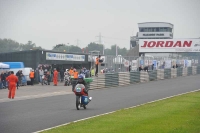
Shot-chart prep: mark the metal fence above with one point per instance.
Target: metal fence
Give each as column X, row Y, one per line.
column 114, row 64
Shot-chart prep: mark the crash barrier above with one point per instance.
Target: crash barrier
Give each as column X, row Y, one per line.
column 125, row 78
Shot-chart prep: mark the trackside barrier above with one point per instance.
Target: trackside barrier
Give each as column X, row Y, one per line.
column 125, row 78
column 98, row 82
column 160, row 74
column 184, row 72
column 173, row 73
column 194, row 70
column 179, row 72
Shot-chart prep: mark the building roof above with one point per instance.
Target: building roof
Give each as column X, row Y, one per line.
column 78, row 53
column 155, row 22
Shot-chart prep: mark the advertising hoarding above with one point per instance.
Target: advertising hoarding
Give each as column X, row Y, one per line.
column 64, row 57
column 169, row 45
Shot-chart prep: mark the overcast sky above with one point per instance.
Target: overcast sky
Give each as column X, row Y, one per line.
column 50, row 22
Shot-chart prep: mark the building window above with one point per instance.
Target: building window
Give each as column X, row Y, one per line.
column 141, row 29
column 170, row 29
column 149, row 29
column 133, row 43
column 145, row 29
column 157, row 29
column 165, row 29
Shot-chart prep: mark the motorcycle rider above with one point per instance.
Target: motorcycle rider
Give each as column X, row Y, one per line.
column 67, row 77
column 82, row 81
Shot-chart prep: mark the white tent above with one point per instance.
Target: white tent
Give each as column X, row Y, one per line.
column 4, row 66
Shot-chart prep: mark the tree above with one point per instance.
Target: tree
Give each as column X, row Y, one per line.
column 28, row 46
column 112, row 51
column 8, row 45
column 95, row 47
column 69, row 49
column 74, row 49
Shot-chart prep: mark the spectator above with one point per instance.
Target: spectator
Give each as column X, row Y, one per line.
column 152, row 66
column 48, row 78
column 20, row 78
column 12, row 79
column 55, row 77
column 140, row 68
column 41, row 73
column 0, row 83
column 97, row 64
column 71, row 71
column 17, row 74
column 3, row 80
column 92, row 72
column 146, row 68
column 129, row 68
column 61, row 74
column 32, row 76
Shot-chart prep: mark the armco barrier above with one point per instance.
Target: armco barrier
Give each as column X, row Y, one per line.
column 125, row 78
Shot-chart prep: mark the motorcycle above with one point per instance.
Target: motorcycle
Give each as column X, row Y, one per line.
column 67, row 80
column 44, row 80
column 82, row 98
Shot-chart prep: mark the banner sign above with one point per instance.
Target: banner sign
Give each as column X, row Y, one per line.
column 64, row 57
column 169, row 45
column 141, row 62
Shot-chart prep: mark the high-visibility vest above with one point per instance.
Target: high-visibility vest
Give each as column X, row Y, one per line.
column 92, row 72
column 97, row 61
column 75, row 75
column 71, row 72
column 31, row 74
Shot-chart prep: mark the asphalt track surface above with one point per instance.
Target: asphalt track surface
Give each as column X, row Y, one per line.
column 31, row 115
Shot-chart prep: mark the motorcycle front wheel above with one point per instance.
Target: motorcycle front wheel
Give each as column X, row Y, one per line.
column 78, row 103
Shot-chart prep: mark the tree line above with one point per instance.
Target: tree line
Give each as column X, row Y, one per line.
column 8, row 45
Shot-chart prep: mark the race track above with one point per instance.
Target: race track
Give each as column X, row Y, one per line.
column 30, row 115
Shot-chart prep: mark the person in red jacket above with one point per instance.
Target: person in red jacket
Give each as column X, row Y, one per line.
column 55, row 77
column 12, row 81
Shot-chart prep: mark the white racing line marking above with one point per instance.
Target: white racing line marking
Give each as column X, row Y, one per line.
column 115, row 111
column 35, row 96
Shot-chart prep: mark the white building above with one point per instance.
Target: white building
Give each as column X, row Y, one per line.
column 152, row 30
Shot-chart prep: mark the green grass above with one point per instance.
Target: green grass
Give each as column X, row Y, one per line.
column 180, row 114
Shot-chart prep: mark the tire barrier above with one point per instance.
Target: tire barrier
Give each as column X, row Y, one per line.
column 108, row 80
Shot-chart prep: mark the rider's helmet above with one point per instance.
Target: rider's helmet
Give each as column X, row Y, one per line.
column 80, row 78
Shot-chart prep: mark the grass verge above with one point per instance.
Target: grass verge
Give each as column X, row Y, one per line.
column 179, row 114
